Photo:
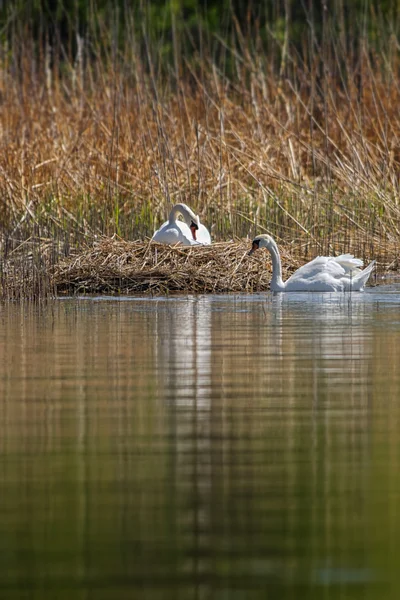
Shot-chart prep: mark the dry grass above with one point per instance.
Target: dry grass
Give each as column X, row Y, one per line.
column 115, row 266
column 25, row 272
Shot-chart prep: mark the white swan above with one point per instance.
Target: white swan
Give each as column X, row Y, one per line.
column 323, row 274
column 189, row 233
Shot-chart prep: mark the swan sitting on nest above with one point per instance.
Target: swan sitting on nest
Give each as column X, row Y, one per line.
column 189, row 232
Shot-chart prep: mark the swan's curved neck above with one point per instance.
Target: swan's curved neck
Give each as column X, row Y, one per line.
column 187, row 214
column 277, row 284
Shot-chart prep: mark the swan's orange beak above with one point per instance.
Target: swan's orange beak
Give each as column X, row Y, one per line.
column 254, row 247
column 193, row 229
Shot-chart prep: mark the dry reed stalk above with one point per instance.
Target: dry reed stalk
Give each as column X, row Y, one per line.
column 25, row 272
column 107, row 146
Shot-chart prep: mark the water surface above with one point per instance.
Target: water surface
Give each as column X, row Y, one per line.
column 201, row 447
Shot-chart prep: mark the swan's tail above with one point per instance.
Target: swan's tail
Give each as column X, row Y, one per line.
column 361, row 279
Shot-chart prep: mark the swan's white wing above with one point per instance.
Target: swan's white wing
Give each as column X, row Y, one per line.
column 323, row 274
column 317, row 267
column 174, row 233
column 349, row 263
column 203, row 235
column 326, row 273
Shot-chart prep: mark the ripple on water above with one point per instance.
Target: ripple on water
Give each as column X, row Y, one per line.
column 210, row 446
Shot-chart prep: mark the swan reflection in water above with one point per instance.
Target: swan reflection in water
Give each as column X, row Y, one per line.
column 257, row 339
column 184, row 351
column 324, row 344
column 268, row 399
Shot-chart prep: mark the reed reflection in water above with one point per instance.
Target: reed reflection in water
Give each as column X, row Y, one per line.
column 201, row 447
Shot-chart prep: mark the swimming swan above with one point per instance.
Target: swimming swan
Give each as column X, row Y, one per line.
column 323, row 274
column 189, row 233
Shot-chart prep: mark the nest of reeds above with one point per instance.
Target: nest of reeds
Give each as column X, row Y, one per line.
column 114, row 266
column 38, row 268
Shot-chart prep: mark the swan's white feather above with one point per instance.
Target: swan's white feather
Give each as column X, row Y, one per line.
column 203, row 235
column 322, row 274
column 349, row 262
column 179, row 232
column 174, row 233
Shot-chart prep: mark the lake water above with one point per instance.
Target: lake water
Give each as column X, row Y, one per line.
column 212, row 447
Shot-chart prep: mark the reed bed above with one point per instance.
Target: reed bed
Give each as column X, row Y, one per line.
column 26, row 269
column 101, row 137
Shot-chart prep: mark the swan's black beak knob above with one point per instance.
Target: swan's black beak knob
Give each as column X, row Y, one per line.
column 254, row 247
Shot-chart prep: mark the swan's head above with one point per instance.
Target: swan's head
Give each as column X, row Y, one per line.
column 194, row 226
column 191, row 220
column 261, row 241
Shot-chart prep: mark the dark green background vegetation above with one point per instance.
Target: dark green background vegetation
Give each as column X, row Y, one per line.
column 166, row 21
